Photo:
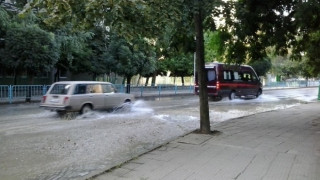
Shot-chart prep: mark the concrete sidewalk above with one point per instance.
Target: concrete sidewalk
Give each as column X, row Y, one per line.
column 276, row 145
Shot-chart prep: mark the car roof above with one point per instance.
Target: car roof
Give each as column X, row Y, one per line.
column 82, row 82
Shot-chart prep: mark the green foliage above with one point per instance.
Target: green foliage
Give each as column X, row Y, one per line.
column 4, row 21
column 99, row 52
column 131, row 59
column 306, row 46
column 284, row 25
column 56, row 13
column 256, row 25
column 236, row 52
column 181, row 65
column 19, row 3
column 288, row 68
column 73, row 49
column 215, row 44
column 261, row 66
column 31, row 49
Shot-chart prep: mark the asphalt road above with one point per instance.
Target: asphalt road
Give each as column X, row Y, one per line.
column 37, row 144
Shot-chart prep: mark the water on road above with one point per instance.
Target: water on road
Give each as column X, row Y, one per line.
column 38, row 144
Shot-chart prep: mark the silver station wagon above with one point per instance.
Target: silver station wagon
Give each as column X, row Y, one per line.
column 83, row 96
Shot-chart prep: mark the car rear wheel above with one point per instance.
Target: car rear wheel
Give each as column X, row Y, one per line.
column 86, row 108
column 67, row 115
column 232, row 95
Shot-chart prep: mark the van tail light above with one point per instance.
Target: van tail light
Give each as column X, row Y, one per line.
column 65, row 100
column 218, row 85
column 44, row 99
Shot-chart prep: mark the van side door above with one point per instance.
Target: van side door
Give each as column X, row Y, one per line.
column 239, row 84
column 227, row 84
column 250, row 86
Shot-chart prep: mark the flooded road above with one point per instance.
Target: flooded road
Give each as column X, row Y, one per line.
column 37, row 144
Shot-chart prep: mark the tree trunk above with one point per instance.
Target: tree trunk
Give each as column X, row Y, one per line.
column 200, row 66
column 123, row 80
column 147, row 81
column 182, row 80
column 153, row 81
column 29, row 88
column 307, row 79
column 94, row 76
column 15, row 77
column 57, row 76
column 128, row 84
column 139, row 79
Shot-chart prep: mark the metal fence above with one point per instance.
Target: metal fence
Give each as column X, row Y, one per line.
column 22, row 93
column 11, row 93
column 284, row 84
column 28, row 93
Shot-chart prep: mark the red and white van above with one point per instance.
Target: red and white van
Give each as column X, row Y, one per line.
column 225, row 80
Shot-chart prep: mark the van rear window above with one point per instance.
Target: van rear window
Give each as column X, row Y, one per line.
column 60, row 89
column 211, row 75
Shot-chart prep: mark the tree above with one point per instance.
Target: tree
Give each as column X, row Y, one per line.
column 261, row 66
column 31, row 49
column 73, row 50
column 306, row 46
column 4, row 22
column 131, row 58
column 99, row 56
column 179, row 53
column 215, row 44
column 180, row 65
column 291, row 27
column 147, row 62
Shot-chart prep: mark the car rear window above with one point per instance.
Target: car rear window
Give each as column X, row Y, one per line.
column 60, row 89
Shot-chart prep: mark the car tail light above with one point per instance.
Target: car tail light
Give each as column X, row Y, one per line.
column 65, row 100
column 44, row 99
column 218, row 85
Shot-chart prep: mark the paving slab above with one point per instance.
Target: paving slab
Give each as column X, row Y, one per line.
column 276, row 145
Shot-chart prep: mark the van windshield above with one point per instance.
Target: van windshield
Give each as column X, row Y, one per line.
column 60, row 89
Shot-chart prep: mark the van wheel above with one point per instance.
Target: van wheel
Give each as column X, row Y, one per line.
column 215, row 98
column 86, row 108
column 232, row 95
column 259, row 93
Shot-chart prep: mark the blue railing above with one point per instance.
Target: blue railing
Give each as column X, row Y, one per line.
column 291, row 84
column 11, row 93
column 20, row 93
